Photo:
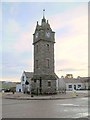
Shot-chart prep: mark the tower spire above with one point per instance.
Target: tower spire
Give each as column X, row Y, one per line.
column 43, row 13
column 43, row 20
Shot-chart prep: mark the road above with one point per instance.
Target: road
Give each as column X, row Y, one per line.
column 64, row 108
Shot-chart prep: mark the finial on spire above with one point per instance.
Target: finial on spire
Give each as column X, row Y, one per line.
column 37, row 22
column 43, row 13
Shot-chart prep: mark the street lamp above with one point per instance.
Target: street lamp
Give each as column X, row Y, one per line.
column 40, row 85
column 31, row 87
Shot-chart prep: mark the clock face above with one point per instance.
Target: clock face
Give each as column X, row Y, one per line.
column 48, row 34
column 36, row 35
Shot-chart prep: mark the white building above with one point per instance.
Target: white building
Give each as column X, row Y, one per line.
column 79, row 83
column 18, row 87
column 26, row 81
column 86, row 82
column 61, row 85
column 74, row 84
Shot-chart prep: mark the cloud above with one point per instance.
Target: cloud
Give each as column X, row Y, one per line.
column 14, row 64
column 17, row 37
column 69, row 16
column 71, row 47
column 12, row 26
column 71, row 70
column 10, row 78
column 24, row 42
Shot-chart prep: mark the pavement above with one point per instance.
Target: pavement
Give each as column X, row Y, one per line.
column 67, row 95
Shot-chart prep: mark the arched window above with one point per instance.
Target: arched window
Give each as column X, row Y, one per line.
column 47, row 63
column 22, row 78
column 36, row 48
column 36, row 63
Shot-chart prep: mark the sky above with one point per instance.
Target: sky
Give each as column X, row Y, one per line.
column 69, row 20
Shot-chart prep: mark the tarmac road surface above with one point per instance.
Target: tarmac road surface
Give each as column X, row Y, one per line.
column 64, row 108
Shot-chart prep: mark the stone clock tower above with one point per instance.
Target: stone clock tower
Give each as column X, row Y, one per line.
column 44, row 78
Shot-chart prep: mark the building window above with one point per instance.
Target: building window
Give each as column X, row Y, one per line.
column 22, row 78
column 36, row 63
column 79, row 86
column 36, row 48
column 34, row 81
column 75, row 87
column 47, row 63
column 70, row 86
column 48, row 47
column 49, row 83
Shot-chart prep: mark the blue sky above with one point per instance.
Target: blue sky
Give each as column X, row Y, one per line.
column 68, row 20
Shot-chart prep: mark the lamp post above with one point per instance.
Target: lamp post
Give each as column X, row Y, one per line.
column 31, row 87
column 40, row 85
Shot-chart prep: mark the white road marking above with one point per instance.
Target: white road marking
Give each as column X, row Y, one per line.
column 84, row 98
column 75, row 105
column 81, row 115
column 65, row 110
column 66, row 104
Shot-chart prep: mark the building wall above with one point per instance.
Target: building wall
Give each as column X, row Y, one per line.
column 18, row 88
column 45, row 87
column 61, row 85
column 23, row 80
column 25, row 87
column 42, row 55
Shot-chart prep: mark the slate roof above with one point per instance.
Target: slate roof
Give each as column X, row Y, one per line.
column 85, row 79
column 28, row 74
column 46, row 77
column 72, row 80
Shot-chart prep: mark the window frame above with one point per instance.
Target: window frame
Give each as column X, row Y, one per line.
column 49, row 83
column 48, row 63
column 36, row 63
column 69, row 86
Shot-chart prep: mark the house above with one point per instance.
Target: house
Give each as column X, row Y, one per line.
column 74, row 84
column 26, row 81
column 79, row 83
column 86, row 82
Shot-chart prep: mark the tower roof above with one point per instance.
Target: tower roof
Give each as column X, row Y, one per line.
column 44, row 24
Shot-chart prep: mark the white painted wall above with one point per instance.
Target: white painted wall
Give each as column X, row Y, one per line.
column 82, row 86
column 87, row 85
column 61, row 84
column 23, row 82
column 18, row 87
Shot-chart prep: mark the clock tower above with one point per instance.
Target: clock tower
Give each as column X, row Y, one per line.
column 44, row 78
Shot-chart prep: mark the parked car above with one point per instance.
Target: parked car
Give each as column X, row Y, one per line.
column 2, row 90
column 7, row 90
